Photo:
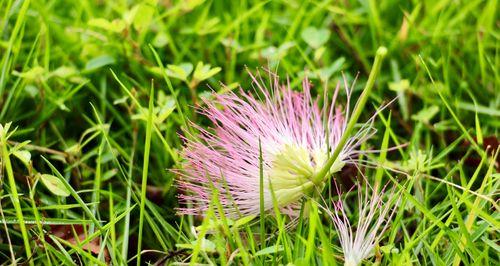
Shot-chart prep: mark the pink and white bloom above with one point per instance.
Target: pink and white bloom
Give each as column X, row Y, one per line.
column 296, row 136
column 358, row 241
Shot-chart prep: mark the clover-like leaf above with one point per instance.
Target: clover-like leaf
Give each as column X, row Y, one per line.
column 315, row 37
column 144, row 14
column 54, row 185
column 180, row 71
column 203, row 72
column 160, row 40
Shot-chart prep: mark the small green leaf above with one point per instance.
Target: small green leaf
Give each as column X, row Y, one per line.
column 206, row 245
column 160, row 40
column 269, row 250
column 190, row 5
column 4, row 130
column 144, row 14
column 417, row 161
column 389, row 249
column 116, row 25
column 98, row 62
column 319, row 53
column 315, row 37
column 129, row 15
column 120, row 100
column 64, row 72
column 165, row 111
column 425, row 115
column 22, row 144
column 31, row 90
column 35, row 73
column 109, row 174
column 180, row 71
column 203, row 72
column 402, row 85
column 23, row 155
column 273, row 53
column 326, row 72
column 445, row 125
column 54, row 185
column 209, row 26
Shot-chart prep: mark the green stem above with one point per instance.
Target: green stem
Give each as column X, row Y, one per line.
column 147, row 147
column 15, row 196
column 379, row 57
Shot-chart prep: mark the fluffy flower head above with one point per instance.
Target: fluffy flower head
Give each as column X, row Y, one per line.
column 358, row 241
column 288, row 129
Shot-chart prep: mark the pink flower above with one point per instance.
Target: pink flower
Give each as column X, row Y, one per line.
column 296, row 136
column 357, row 242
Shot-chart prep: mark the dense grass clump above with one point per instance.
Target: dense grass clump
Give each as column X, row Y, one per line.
column 97, row 99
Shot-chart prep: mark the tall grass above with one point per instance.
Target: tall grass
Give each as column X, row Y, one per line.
column 100, row 94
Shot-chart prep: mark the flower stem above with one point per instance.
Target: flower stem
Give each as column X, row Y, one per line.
column 379, row 57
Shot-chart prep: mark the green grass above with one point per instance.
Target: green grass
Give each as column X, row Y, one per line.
column 101, row 90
